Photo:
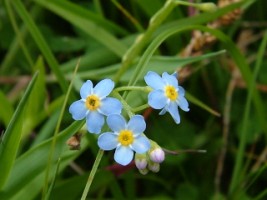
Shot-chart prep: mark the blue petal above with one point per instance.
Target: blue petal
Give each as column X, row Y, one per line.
column 116, row 122
column 164, row 110
column 183, row 104
column 137, row 124
column 157, row 99
column 104, row 88
column 154, row 80
column 107, row 141
column 94, row 122
column 181, row 91
column 86, row 89
column 170, row 79
column 110, row 106
column 123, row 155
column 175, row 74
column 78, row 110
column 141, row 144
column 173, row 110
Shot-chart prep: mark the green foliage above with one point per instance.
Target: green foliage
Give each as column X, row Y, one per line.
column 225, row 81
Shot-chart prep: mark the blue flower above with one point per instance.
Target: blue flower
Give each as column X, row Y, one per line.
column 166, row 94
column 125, row 138
column 94, row 104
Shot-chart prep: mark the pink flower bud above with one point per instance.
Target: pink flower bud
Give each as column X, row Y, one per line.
column 157, row 155
column 140, row 163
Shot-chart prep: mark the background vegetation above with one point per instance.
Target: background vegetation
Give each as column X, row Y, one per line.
column 221, row 60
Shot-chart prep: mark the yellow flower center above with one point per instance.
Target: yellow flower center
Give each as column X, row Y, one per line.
column 126, row 137
column 171, row 93
column 92, row 102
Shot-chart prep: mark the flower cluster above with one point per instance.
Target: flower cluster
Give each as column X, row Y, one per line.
column 125, row 137
column 150, row 160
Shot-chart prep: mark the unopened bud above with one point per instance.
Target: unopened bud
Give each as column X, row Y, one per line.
column 207, row 7
column 143, row 171
column 154, row 167
column 157, row 155
column 140, row 161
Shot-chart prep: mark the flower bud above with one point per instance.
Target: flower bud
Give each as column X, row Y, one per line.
column 157, row 155
column 140, row 161
column 207, row 7
column 154, row 167
column 143, row 171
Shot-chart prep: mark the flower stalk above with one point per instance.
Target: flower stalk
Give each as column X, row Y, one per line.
column 92, row 174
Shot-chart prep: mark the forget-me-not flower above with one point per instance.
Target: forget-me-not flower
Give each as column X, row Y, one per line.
column 125, row 138
column 166, row 94
column 94, row 104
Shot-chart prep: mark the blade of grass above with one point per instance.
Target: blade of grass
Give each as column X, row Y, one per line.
column 202, row 18
column 40, row 42
column 162, row 64
column 237, row 175
column 18, row 33
column 38, row 154
column 36, row 101
column 5, row 114
column 12, row 136
column 261, row 195
column 52, row 148
column 197, row 102
column 156, row 64
column 78, row 17
column 47, row 196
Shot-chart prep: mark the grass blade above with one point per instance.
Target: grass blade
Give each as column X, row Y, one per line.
column 5, row 114
column 40, row 42
column 39, row 154
column 237, row 176
column 12, row 136
column 76, row 16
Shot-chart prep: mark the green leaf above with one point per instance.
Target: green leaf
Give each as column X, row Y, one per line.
column 40, row 42
column 85, row 21
column 251, row 80
column 162, row 64
column 12, row 136
column 36, row 101
column 7, row 112
column 34, row 161
column 72, row 188
column 158, row 64
column 201, row 104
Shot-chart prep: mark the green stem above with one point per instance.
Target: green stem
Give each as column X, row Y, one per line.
column 196, row 5
column 136, row 88
column 139, row 108
column 144, row 38
column 92, row 174
column 126, row 106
